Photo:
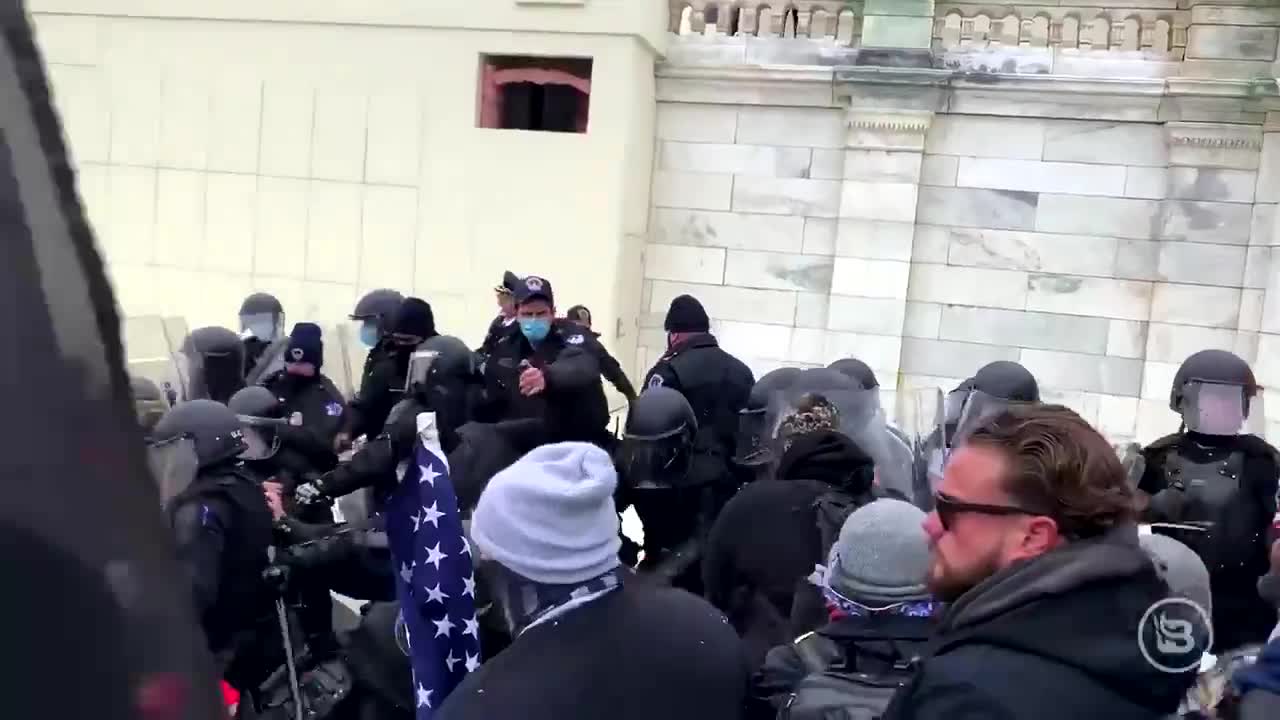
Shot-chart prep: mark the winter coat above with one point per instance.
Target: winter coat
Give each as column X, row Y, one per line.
column 1259, row 686
column 1054, row 637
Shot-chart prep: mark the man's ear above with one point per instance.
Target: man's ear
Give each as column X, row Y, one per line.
column 1041, row 535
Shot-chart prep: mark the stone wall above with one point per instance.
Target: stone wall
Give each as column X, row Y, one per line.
column 1063, row 189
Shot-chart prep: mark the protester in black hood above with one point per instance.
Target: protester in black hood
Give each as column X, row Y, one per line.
column 384, row 378
column 591, row 640
column 1035, row 547
column 769, row 537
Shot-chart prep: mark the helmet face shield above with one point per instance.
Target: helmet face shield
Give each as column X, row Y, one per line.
column 1213, row 408
column 655, row 463
column 267, row 327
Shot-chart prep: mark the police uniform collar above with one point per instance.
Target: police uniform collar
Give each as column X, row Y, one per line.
column 696, row 340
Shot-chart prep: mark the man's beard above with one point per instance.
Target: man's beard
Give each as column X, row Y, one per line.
column 947, row 583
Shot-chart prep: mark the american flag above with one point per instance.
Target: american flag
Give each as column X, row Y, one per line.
column 435, row 581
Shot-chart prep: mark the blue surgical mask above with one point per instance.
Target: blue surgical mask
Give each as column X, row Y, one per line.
column 535, row 329
column 369, row 334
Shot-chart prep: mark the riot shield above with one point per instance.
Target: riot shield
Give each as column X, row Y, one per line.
column 270, row 363
column 342, row 344
column 95, row 604
column 174, row 465
column 854, row 412
column 752, row 446
column 979, row 409
column 924, row 420
column 151, row 353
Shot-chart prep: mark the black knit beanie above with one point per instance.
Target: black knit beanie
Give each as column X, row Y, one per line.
column 686, row 316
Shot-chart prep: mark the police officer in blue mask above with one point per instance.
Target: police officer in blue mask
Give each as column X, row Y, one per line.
column 542, row 367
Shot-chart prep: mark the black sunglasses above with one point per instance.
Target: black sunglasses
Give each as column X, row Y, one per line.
column 948, row 507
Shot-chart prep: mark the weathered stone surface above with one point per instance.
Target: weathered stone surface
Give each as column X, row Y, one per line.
column 948, row 284
column 693, row 122
column 1263, row 229
column 1098, row 297
column 1137, row 260
column 1151, row 183
column 1105, row 142
column 820, row 236
column 778, row 271
column 881, row 352
column 761, row 340
column 1269, row 169
column 727, row 303
column 967, row 207
column 950, row 359
column 338, row 135
column 932, row 244
column 970, row 135
column 1117, row 416
column 882, row 166
column 924, row 320
column 1195, row 305
column 1257, row 266
column 1026, row 329
column 1174, row 343
column 780, row 196
column 333, row 218
column 782, row 162
column 827, row 165
column 684, row 263
column 1217, row 42
column 695, row 191
column 1037, row 176
column 1207, row 222
column 1186, row 183
column 812, row 310
column 1090, row 373
column 875, row 239
column 737, row 231
column 878, row 200
column 870, row 278
column 940, row 170
column 878, row 316
column 1037, row 252
column 1251, row 306
column 1202, row 264
column 796, row 127
column 1127, row 338
column 1119, row 217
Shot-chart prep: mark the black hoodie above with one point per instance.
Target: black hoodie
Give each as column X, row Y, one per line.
column 1048, row 638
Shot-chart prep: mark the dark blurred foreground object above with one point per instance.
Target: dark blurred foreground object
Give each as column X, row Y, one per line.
column 97, row 623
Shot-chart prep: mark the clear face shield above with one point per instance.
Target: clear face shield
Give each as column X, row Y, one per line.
column 267, row 327
column 419, row 371
column 650, row 463
column 979, row 409
column 260, row 437
column 174, row 465
column 1214, row 408
column 752, row 445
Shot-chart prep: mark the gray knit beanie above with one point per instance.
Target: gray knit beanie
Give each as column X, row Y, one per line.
column 550, row 516
column 1180, row 568
column 882, row 556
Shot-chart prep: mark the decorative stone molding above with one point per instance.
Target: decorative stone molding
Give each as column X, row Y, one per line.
column 876, row 130
column 804, row 86
column 1216, row 136
column 837, row 20
column 964, row 26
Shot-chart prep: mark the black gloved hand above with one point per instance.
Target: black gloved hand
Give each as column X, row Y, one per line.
column 276, row 576
column 312, row 493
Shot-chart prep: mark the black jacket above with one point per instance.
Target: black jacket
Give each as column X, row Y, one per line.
column 717, row 385
column 610, row 369
column 1048, row 638
column 870, row 644
column 638, row 653
column 572, row 405
column 323, row 413
column 484, row 450
column 1240, row 617
column 381, row 384
column 766, row 540
column 499, row 327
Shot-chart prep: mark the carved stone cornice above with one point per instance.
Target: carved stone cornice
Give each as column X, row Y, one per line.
column 800, row 85
column 1215, row 136
column 887, row 130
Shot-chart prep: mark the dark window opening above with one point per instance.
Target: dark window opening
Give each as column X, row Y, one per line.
column 548, row 94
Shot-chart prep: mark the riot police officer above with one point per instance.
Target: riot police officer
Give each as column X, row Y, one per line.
column 222, row 526
column 505, row 295
column 754, row 451
column 303, row 389
column 261, row 326
column 395, row 331
column 857, row 371
column 714, row 382
column 149, row 402
column 1220, row 487
column 653, row 463
column 546, row 368
column 213, row 360
column 436, row 378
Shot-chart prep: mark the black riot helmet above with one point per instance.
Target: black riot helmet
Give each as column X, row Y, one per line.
column 658, row 441
column 436, row 361
column 857, row 371
column 259, row 412
column 213, row 360
column 262, row 316
column 256, row 401
column 1213, row 391
column 212, row 428
column 1008, row 381
column 149, row 402
column 752, row 450
column 377, row 306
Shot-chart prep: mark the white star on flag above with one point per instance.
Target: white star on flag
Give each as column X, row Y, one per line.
column 472, row 628
column 466, row 547
column 434, row 556
column 429, row 474
column 473, row 662
column 406, row 573
column 435, row 593
column 432, row 515
column 424, row 696
column 450, row 661
column 469, row 586
column 417, row 522
column 443, row 626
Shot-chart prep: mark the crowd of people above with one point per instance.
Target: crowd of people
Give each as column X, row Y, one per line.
column 801, row 557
